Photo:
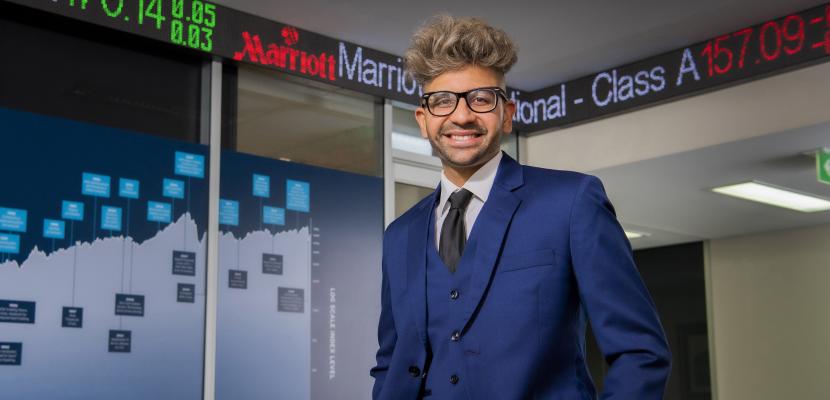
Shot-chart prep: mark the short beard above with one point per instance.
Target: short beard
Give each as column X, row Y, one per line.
column 473, row 127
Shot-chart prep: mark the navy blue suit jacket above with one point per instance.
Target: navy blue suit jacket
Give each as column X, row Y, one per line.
column 550, row 254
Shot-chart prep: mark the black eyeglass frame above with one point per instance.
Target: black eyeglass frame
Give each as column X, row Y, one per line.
column 458, row 95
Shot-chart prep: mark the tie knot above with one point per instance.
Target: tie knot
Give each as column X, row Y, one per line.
column 460, row 199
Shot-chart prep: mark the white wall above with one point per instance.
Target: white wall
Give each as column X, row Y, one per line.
column 770, row 314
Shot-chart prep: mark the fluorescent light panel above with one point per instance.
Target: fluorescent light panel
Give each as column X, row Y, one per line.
column 775, row 196
column 633, row 235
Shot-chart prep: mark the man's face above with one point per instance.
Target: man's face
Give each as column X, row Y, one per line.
column 466, row 139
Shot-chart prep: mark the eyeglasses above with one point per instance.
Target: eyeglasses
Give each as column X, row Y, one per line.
column 480, row 100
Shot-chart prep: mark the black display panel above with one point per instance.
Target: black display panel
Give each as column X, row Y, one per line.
column 210, row 28
column 772, row 46
column 66, row 69
column 777, row 45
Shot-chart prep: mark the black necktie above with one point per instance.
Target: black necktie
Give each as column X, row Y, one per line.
column 453, row 236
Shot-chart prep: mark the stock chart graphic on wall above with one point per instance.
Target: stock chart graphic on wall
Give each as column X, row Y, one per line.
column 102, row 262
column 103, row 237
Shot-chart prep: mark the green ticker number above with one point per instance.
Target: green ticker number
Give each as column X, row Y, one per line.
column 153, row 11
column 196, row 37
column 83, row 4
column 194, row 30
column 210, row 15
column 111, row 13
column 177, row 8
column 197, row 13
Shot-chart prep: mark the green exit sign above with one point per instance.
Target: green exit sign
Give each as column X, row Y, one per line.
column 823, row 165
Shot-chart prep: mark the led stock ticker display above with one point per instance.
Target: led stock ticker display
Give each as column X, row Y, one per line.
column 188, row 23
column 751, row 52
column 772, row 46
column 767, row 43
column 232, row 34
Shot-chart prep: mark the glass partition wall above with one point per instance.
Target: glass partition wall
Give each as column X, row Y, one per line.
column 301, row 222
column 288, row 119
column 103, row 249
column 105, row 213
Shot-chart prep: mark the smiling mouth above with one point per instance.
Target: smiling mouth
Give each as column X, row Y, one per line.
column 462, row 138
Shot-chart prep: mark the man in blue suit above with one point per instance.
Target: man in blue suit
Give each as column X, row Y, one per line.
column 489, row 282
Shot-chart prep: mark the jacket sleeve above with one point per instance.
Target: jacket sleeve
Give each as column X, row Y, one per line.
column 387, row 335
column 622, row 314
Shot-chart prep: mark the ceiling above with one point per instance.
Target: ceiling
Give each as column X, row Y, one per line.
column 558, row 40
column 669, row 198
column 659, row 163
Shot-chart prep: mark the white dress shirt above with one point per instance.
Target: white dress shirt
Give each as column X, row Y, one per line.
column 479, row 185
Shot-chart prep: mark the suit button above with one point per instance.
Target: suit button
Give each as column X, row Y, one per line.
column 454, row 294
column 414, row 371
column 455, row 336
column 454, row 379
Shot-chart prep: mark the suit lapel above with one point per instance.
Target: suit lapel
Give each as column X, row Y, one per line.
column 490, row 229
column 416, row 272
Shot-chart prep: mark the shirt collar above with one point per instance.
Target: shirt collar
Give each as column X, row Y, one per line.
column 479, row 183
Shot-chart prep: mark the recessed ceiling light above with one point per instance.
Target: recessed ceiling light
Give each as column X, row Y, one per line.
column 775, row 196
column 634, row 235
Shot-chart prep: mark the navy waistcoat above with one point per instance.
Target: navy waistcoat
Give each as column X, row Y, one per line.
column 446, row 372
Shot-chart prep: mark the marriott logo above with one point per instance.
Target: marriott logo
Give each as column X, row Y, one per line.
column 285, row 57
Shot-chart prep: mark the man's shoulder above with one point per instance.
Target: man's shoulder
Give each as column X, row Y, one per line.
column 554, row 178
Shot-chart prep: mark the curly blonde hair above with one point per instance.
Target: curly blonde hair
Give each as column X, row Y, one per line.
column 447, row 43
